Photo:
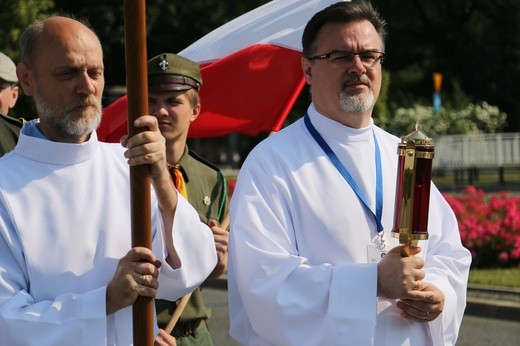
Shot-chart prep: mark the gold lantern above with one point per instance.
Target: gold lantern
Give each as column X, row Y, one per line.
column 412, row 195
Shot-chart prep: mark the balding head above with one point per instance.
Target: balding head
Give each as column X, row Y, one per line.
column 55, row 30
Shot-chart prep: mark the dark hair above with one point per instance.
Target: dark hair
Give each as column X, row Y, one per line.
column 341, row 12
column 30, row 36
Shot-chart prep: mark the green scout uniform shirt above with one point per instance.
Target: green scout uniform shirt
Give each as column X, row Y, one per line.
column 9, row 132
column 206, row 188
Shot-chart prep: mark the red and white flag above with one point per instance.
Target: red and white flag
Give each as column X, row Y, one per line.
column 250, row 69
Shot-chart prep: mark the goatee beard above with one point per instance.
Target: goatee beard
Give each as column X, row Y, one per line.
column 73, row 120
column 355, row 102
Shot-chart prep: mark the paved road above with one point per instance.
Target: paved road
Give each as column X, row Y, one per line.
column 475, row 331
column 217, row 301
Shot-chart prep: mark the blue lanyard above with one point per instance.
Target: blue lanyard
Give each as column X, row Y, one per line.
column 344, row 172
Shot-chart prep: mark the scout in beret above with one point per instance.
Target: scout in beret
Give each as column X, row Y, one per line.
column 173, row 97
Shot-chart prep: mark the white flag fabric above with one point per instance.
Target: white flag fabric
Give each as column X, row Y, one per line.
column 279, row 22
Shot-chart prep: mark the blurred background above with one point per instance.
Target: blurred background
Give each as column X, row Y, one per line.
column 474, row 45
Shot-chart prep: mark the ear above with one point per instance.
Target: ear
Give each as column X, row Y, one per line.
column 306, row 68
column 196, row 112
column 14, row 94
column 25, row 78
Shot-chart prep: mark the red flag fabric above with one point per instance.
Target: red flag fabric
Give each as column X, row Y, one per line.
column 250, row 69
column 250, row 92
column 114, row 123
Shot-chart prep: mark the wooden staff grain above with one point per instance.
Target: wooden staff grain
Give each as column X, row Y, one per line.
column 137, row 93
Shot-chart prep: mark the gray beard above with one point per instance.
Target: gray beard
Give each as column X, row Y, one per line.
column 67, row 122
column 356, row 104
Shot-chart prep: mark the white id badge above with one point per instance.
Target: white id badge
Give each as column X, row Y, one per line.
column 375, row 253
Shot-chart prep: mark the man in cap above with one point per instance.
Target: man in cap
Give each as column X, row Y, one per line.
column 173, row 98
column 9, row 126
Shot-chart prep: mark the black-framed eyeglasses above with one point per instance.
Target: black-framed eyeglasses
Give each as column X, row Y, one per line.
column 368, row 58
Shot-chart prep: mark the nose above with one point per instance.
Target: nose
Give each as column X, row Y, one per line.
column 158, row 110
column 86, row 84
column 356, row 66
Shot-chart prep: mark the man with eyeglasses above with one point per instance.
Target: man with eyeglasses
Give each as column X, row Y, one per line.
column 9, row 126
column 311, row 258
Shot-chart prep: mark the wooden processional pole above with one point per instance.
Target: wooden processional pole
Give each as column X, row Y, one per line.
column 137, row 93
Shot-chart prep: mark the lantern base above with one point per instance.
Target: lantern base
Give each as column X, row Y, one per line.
column 405, row 238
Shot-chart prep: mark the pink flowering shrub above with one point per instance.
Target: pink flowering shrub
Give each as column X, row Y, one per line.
column 489, row 226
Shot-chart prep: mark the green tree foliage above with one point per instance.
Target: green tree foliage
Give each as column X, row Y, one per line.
column 381, row 110
column 15, row 15
column 475, row 44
